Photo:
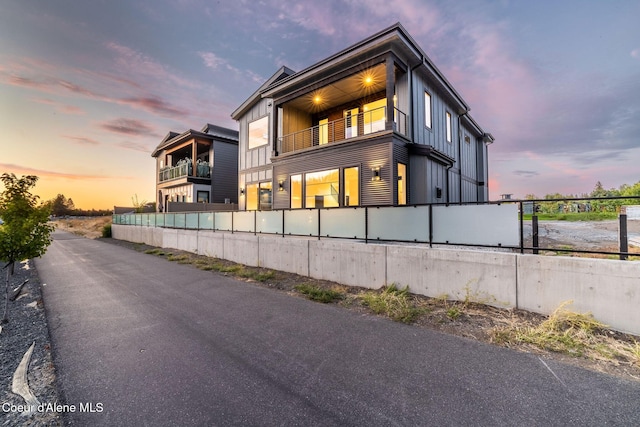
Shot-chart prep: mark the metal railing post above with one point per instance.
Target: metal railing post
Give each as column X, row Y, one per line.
column 534, row 233
column 521, row 227
column 623, row 238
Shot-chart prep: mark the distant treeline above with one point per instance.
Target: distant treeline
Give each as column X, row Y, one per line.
column 61, row 206
column 592, row 205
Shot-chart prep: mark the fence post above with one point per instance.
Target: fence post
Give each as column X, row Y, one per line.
column 521, row 227
column 366, row 224
column 534, row 232
column 623, row 237
column 431, row 226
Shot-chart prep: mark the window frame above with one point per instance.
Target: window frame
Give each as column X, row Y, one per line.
column 448, row 126
column 428, row 110
column 251, row 146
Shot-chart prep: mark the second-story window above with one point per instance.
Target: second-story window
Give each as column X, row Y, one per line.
column 259, row 132
column 427, row 109
column 448, row 124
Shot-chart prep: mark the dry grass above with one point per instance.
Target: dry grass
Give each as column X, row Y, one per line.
column 90, row 227
column 573, row 334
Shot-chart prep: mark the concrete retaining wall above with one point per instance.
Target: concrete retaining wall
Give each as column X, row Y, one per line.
column 486, row 277
column 609, row 289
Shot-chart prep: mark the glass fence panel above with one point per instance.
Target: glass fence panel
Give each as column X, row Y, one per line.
column 407, row 223
column 302, row 222
column 223, row 221
column 159, row 220
column 244, row 221
column 477, row 224
column 191, row 221
column 169, row 220
column 348, row 223
column 138, row 219
column 144, row 219
column 269, row 222
column 115, row 219
column 180, row 221
column 206, row 220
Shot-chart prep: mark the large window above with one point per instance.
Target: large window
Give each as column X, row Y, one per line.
column 351, row 123
column 258, row 196
column 323, row 131
column 259, row 132
column 402, row 184
column 252, row 197
column 296, row 191
column 351, row 186
column 265, row 196
column 322, row 189
column 427, row 109
column 448, row 123
column 203, row 196
column 374, row 116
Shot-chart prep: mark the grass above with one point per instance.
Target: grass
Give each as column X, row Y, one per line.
column 318, row 294
column 396, row 303
column 575, row 216
column 573, row 334
column 212, row 264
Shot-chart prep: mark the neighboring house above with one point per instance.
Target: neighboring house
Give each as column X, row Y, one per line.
column 375, row 124
column 197, row 167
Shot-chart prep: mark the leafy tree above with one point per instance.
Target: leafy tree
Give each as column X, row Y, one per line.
column 25, row 232
column 61, row 206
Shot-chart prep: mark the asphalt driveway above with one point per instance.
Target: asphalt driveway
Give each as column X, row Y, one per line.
column 138, row 340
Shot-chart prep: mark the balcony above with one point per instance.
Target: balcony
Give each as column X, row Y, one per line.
column 349, row 127
column 183, row 168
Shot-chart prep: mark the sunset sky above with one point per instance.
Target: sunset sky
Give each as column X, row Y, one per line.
column 89, row 88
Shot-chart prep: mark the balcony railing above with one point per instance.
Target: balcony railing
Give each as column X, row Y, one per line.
column 185, row 168
column 364, row 123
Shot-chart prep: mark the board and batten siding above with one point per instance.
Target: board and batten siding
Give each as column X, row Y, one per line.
column 436, row 136
column 225, row 166
column 258, row 156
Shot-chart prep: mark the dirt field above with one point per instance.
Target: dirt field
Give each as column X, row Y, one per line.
column 90, row 227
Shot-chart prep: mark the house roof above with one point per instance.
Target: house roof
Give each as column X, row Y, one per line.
column 213, row 132
column 395, row 37
column 282, row 73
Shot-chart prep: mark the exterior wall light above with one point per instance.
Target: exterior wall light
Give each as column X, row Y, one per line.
column 242, row 191
column 281, row 185
column 375, row 174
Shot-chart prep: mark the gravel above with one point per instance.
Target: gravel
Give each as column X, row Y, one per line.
column 27, row 325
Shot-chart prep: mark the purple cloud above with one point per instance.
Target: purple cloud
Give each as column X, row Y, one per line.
column 129, row 127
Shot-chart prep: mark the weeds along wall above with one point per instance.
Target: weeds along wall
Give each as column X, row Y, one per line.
column 608, row 289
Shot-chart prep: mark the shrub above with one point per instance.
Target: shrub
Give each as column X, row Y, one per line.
column 106, row 231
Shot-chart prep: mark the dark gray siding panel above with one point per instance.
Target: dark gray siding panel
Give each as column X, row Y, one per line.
column 224, row 181
column 365, row 154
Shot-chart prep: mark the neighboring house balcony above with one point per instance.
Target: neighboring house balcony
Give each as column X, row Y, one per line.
column 351, row 126
column 184, row 168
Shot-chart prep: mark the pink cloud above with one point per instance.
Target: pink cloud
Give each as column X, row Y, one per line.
column 42, row 173
column 81, row 140
column 63, row 108
column 130, row 127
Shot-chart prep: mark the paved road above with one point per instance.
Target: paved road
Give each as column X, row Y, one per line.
column 150, row 342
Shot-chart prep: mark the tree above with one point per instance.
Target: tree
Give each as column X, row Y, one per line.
column 25, row 232
column 61, row 206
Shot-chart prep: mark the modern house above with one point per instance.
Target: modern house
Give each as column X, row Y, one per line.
column 375, row 124
column 197, row 167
